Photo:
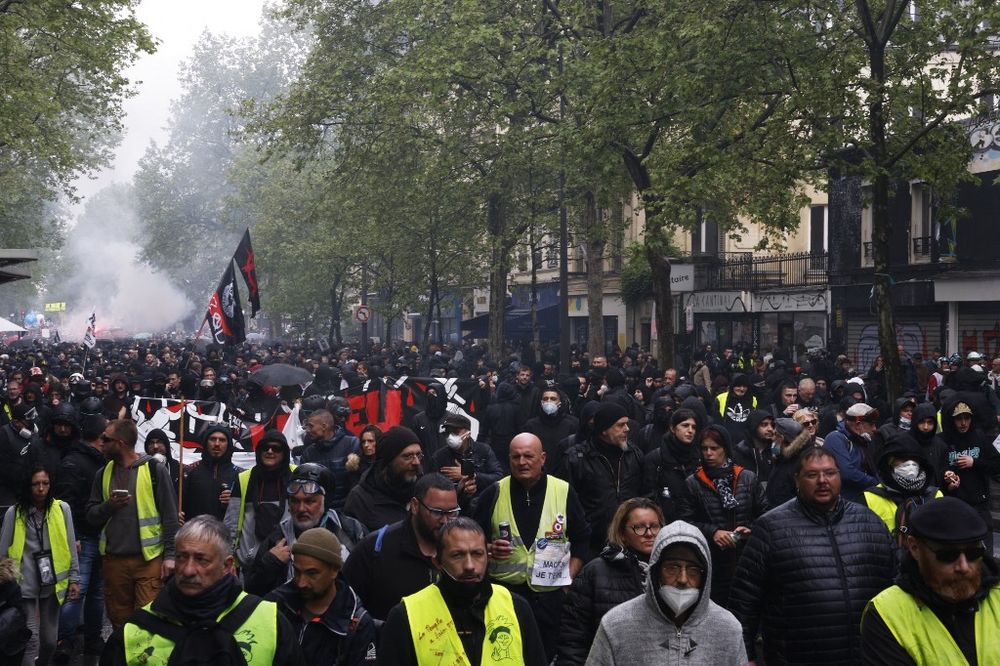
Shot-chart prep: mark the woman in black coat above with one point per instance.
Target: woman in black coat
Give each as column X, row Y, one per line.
column 723, row 502
column 615, row 576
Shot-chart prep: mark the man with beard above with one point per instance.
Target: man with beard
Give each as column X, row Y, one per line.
column 330, row 445
column 396, row 560
column 528, row 396
column 382, row 495
column 203, row 610
column 309, row 505
column 482, row 622
column 427, row 424
column 157, row 444
column 208, row 483
column 257, row 502
column 945, row 606
column 80, row 465
column 326, row 614
column 118, row 400
column 547, row 537
column 62, row 432
column 754, row 452
column 12, row 399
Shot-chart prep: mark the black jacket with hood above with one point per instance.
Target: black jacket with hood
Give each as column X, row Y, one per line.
column 427, row 424
column 659, row 424
column 664, row 475
column 77, row 470
column 49, row 449
column 974, row 487
column 203, row 480
column 552, row 430
column 902, row 446
column 934, row 448
column 172, row 465
column 746, row 453
column 501, row 421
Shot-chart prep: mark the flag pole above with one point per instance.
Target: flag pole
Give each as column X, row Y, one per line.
column 180, row 460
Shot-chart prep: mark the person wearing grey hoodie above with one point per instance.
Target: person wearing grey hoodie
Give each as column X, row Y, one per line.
column 674, row 621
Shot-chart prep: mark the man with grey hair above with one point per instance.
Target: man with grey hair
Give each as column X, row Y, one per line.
column 203, row 612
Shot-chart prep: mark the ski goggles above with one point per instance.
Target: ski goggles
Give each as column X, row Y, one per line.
column 307, row 487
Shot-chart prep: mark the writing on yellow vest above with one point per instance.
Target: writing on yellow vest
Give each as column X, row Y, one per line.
column 58, row 537
column 918, row 630
column 548, row 558
column 257, row 637
column 435, row 640
column 150, row 526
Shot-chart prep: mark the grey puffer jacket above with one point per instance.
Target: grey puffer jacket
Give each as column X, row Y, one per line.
column 639, row 632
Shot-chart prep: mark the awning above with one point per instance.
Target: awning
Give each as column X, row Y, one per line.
column 10, row 327
column 517, row 324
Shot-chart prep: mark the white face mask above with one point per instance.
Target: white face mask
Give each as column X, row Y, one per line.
column 904, row 423
column 678, row 599
column 455, row 441
column 909, row 470
column 550, row 408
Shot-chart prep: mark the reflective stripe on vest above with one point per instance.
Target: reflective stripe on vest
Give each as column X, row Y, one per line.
column 55, row 527
column 516, row 569
column 244, row 481
column 257, row 637
column 886, row 508
column 723, row 398
column 150, row 526
column 918, row 630
column 435, row 640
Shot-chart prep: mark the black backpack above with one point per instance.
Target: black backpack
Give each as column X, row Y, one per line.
column 206, row 642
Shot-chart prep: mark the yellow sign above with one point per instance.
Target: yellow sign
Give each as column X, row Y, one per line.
column 55, row 307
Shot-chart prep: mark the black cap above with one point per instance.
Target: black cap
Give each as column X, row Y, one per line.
column 456, row 421
column 947, row 520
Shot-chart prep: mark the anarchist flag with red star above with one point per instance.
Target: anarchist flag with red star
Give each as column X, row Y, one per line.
column 245, row 260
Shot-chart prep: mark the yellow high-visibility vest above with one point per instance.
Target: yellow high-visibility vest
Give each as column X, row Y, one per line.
column 150, row 525
column 516, row 569
column 55, row 525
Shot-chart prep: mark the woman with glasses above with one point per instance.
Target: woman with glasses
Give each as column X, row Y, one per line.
column 725, row 500
column 38, row 536
column 809, row 420
column 614, row 577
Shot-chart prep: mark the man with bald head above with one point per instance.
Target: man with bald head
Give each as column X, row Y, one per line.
column 537, row 534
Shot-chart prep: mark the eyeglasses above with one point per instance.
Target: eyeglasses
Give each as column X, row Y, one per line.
column 449, row 513
column 949, row 555
column 271, row 448
column 674, row 569
column 410, row 457
column 807, row 424
column 645, row 529
column 307, row 487
column 826, row 474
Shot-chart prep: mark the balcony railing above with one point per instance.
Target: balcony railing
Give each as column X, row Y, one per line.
column 782, row 270
column 869, row 249
column 922, row 246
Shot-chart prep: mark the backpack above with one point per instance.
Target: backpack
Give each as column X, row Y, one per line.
column 207, row 642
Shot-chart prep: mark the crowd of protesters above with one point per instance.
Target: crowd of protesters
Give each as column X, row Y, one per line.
column 743, row 508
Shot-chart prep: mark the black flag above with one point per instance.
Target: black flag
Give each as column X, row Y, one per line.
column 225, row 313
column 246, row 262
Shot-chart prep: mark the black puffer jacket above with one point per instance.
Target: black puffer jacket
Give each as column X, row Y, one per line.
column 804, row 579
column 602, row 482
column 606, row 581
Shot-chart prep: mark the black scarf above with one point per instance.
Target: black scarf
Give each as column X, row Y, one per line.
column 682, row 453
column 206, row 605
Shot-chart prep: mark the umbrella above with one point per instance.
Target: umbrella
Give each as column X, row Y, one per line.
column 281, row 374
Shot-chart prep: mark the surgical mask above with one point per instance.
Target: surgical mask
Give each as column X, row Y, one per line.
column 679, row 599
column 904, row 423
column 550, row 408
column 867, row 436
column 909, row 470
column 454, row 441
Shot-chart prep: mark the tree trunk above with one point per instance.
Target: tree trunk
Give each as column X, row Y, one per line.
column 499, row 270
column 595, row 240
column 333, row 335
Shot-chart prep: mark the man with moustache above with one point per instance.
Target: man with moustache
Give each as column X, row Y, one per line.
column 384, row 492
column 945, row 607
column 203, row 604
column 482, row 623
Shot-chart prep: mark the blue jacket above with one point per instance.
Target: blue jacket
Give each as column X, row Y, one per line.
column 857, row 471
column 333, row 454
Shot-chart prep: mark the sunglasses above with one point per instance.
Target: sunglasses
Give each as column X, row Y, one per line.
column 449, row 513
column 106, row 439
column 271, row 448
column 949, row 555
column 806, row 424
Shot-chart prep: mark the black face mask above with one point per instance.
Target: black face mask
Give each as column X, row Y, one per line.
column 460, row 590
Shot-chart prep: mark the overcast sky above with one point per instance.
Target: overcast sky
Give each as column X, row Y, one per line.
column 176, row 24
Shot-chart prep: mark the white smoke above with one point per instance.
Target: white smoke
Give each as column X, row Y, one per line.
column 102, row 272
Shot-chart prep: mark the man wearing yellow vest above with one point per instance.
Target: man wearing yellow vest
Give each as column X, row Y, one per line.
column 204, row 613
column 133, row 502
column 539, row 534
column 463, row 619
column 945, row 605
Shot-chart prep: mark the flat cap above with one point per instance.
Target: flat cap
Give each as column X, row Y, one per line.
column 453, row 420
column 947, row 520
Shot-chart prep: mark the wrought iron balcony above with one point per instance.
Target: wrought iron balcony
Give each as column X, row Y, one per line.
column 747, row 272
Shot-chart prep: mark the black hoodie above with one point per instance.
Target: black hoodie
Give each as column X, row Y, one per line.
column 552, row 430
column 933, row 446
column 427, row 424
column 204, row 480
column 975, row 481
column 753, row 454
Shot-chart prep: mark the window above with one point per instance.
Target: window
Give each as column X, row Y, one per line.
column 921, row 223
column 867, row 252
column 818, row 237
column 706, row 239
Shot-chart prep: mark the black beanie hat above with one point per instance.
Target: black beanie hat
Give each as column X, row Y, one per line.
column 607, row 415
column 392, row 443
column 614, row 378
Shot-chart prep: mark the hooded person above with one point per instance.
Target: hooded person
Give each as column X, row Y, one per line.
column 59, row 436
column 257, row 502
column 501, row 421
column 383, row 493
column 925, row 432
column 675, row 620
column 659, row 424
column 427, row 424
column 553, row 425
column 906, row 481
column 790, row 439
column 901, row 420
column 753, row 452
column 723, row 501
column 733, row 407
column 208, row 483
column 157, row 444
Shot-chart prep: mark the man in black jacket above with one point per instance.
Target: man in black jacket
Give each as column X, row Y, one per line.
column 382, row 495
column 470, row 600
column 14, row 438
column 754, row 452
column 462, row 451
column 945, row 606
column 604, row 471
column 427, row 424
column 809, row 568
column 208, row 483
column 334, row 629
column 331, row 444
column 395, row 560
column 553, row 425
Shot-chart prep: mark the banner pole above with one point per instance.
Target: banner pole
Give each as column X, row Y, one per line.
column 180, row 460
